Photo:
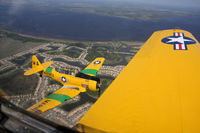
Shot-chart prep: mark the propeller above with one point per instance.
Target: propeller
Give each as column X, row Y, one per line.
column 99, row 90
column 40, row 74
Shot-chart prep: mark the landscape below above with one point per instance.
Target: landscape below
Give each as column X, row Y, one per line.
column 16, row 52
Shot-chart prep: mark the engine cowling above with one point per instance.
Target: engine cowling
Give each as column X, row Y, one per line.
column 92, row 85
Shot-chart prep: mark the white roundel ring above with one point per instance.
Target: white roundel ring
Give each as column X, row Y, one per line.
column 64, row 79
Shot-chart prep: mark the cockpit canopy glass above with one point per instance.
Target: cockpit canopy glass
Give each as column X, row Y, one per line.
column 68, row 71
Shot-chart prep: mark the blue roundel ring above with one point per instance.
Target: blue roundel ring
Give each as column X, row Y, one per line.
column 63, row 79
column 179, row 41
column 97, row 62
column 167, row 40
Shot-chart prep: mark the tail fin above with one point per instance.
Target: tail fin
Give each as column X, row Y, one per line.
column 35, row 62
column 93, row 67
column 37, row 66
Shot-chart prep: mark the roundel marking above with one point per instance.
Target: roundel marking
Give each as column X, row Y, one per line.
column 63, row 79
column 179, row 41
column 97, row 62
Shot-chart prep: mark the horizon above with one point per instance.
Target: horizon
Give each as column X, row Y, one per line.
column 168, row 3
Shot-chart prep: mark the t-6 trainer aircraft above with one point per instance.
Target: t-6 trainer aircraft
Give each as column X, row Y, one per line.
column 73, row 82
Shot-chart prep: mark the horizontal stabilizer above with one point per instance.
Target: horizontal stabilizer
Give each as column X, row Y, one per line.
column 33, row 70
column 37, row 66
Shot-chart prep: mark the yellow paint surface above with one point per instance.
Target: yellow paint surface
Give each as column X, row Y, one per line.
column 157, row 92
column 33, row 70
column 47, row 104
column 68, row 91
column 96, row 66
column 47, row 64
column 44, row 105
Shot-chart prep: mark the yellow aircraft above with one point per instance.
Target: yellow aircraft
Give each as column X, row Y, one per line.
column 157, row 92
column 73, row 82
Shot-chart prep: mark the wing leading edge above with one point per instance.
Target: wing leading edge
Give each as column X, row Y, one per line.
column 158, row 89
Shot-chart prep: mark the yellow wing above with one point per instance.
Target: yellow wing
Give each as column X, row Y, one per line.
column 55, row 99
column 93, row 67
column 157, row 92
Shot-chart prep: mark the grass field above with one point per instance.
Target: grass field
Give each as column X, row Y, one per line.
column 7, row 70
column 73, row 52
column 16, row 83
column 11, row 43
column 79, row 44
column 110, row 57
column 21, row 38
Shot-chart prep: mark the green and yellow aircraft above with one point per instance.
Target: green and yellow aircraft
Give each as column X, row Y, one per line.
column 73, row 82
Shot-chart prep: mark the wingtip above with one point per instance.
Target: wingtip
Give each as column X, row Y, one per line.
column 101, row 58
column 26, row 74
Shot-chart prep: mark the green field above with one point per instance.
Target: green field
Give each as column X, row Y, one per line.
column 107, row 51
column 16, row 83
column 12, row 43
column 79, row 44
column 73, row 52
column 21, row 38
column 7, row 70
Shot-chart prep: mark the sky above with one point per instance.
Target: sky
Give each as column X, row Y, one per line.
column 184, row 3
column 169, row 3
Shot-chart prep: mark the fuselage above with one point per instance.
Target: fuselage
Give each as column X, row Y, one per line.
column 72, row 80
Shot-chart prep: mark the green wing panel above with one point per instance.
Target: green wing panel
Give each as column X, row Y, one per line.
column 93, row 67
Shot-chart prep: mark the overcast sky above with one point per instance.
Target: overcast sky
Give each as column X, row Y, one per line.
column 169, row 3
column 185, row 3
